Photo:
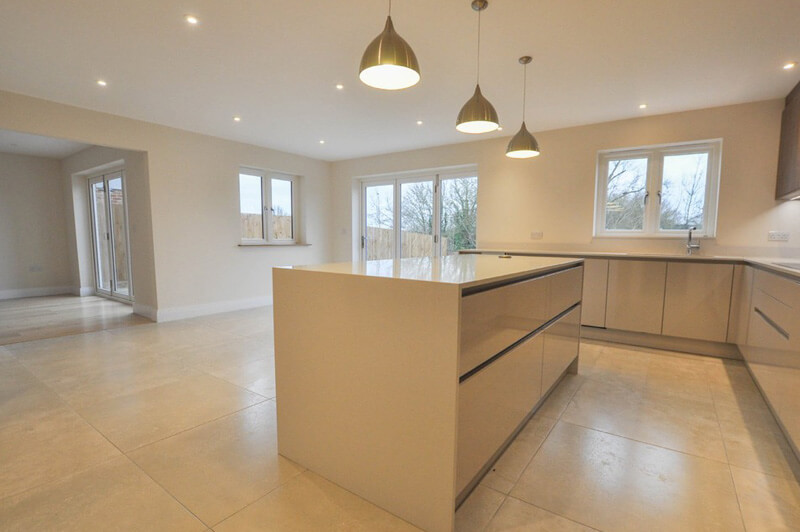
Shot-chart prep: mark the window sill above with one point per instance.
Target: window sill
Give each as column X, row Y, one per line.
column 273, row 245
column 681, row 236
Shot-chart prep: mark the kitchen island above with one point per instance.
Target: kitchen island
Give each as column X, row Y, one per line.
column 403, row 381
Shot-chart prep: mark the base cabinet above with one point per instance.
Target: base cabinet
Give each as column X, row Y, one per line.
column 492, row 403
column 697, row 301
column 636, row 295
column 595, row 291
column 561, row 344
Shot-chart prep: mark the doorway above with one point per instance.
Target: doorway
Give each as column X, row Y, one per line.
column 111, row 245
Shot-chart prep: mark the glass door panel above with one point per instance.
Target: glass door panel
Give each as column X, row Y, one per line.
column 101, row 237
column 416, row 219
column 119, row 236
column 459, row 214
column 379, row 221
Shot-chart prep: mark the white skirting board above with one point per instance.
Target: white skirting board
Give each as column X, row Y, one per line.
column 203, row 309
column 18, row 293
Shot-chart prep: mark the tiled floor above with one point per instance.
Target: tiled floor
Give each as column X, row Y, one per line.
column 34, row 318
column 172, row 427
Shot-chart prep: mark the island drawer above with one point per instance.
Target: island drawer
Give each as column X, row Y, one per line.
column 492, row 403
column 494, row 319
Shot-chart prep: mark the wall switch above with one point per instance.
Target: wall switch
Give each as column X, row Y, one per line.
column 537, row 235
column 778, row 236
column 35, row 268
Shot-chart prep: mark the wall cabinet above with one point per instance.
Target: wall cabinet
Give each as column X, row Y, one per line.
column 595, row 291
column 788, row 184
column 697, row 301
column 636, row 295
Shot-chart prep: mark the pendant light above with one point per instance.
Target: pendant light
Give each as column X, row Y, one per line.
column 478, row 114
column 389, row 62
column 523, row 145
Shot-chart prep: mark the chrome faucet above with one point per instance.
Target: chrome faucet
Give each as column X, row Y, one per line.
column 689, row 246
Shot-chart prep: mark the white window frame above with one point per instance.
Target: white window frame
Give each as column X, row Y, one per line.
column 397, row 180
column 655, row 161
column 266, row 201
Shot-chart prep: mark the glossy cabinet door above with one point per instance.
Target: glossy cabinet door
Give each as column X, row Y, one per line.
column 494, row 319
column 561, row 345
column 741, row 295
column 697, row 300
column 636, row 295
column 772, row 350
column 492, row 403
column 595, row 289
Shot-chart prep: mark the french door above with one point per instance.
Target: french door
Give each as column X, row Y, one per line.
column 110, row 236
column 424, row 216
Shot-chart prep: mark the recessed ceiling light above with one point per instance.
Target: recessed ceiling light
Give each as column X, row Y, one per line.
column 191, row 19
column 102, row 82
column 322, row 142
column 339, row 86
column 790, row 65
column 643, row 106
column 419, row 122
column 237, row 118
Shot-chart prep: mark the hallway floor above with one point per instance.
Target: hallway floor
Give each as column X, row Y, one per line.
column 172, row 426
column 35, row 318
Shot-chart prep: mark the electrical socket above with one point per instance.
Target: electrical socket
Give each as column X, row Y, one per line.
column 537, row 235
column 778, row 236
column 35, row 268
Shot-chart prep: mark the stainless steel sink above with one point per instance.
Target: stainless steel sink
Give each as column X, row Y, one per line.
column 790, row 265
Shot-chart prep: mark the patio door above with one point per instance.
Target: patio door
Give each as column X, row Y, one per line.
column 110, row 236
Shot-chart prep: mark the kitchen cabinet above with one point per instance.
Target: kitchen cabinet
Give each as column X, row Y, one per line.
column 739, row 317
column 595, row 290
column 636, row 295
column 401, row 381
column 772, row 348
column 492, row 404
column 788, row 183
column 697, row 300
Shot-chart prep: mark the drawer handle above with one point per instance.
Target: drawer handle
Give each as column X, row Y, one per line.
column 769, row 321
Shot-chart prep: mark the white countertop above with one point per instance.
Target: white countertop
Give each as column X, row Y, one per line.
column 462, row 270
column 769, row 263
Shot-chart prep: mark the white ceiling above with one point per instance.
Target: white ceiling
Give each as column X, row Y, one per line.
column 25, row 144
column 276, row 63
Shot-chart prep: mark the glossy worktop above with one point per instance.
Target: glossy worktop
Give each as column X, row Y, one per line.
column 466, row 270
column 781, row 266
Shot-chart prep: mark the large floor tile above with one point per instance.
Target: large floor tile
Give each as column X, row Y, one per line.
column 479, row 508
column 508, row 468
column 46, row 443
column 115, row 495
column 309, row 502
column 768, row 502
column 517, row 516
column 165, row 337
column 559, row 398
column 613, row 483
column 760, row 450
column 136, row 419
column 219, row 468
column 668, row 420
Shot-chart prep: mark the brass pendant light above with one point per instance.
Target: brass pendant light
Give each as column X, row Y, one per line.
column 523, row 145
column 478, row 114
column 389, row 62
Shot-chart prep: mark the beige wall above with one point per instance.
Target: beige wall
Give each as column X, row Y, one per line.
column 554, row 193
column 33, row 250
column 198, row 266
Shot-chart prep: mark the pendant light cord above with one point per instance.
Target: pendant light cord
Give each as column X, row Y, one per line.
column 524, row 88
column 390, row 8
column 479, row 49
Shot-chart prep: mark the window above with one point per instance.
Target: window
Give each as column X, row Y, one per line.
column 421, row 216
column 658, row 191
column 267, row 203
